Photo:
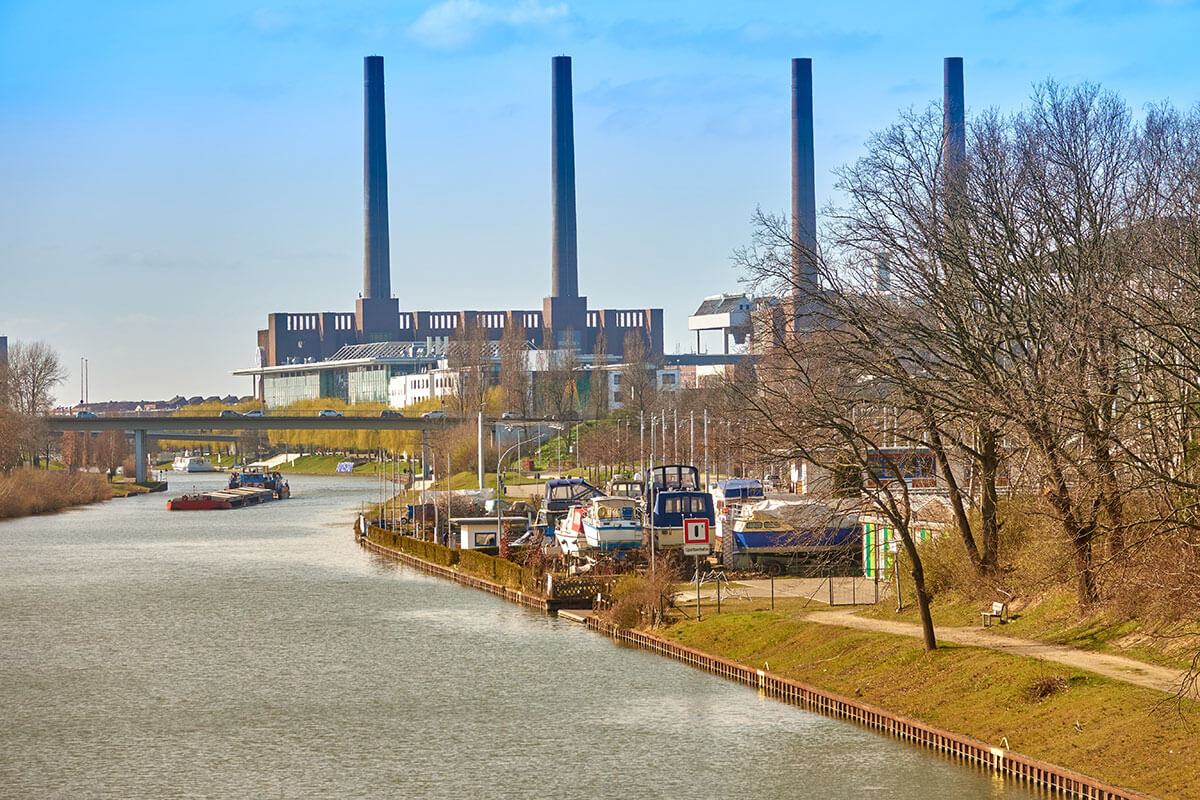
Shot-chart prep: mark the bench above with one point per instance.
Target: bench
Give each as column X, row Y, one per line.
column 998, row 611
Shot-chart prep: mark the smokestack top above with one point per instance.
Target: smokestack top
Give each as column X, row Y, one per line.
column 377, row 278
column 804, row 190
column 564, row 276
column 954, row 128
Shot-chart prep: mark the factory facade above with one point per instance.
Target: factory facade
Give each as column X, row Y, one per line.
column 355, row 356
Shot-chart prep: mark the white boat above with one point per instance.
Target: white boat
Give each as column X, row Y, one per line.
column 192, row 464
column 613, row 523
column 569, row 533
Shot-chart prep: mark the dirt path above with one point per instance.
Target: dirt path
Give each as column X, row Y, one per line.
column 1152, row 676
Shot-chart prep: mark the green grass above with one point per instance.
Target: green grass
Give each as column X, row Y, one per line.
column 1054, row 619
column 325, row 465
column 1123, row 734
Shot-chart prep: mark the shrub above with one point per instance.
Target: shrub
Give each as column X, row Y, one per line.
column 638, row 600
column 35, row 491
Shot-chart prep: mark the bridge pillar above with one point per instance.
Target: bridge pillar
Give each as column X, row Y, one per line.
column 139, row 453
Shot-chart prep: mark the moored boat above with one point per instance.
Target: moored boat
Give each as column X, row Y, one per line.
column 569, row 534
column 612, row 523
column 192, row 464
column 674, row 496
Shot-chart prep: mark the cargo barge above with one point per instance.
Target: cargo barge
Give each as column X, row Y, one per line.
column 224, row 498
column 249, row 487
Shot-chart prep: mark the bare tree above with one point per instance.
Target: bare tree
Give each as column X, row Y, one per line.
column 469, row 355
column 807, row 399
column 514, row 371
column 598, row 378
column 111, row 450
column 33, row 373
column 556, row 383
column 638, row 390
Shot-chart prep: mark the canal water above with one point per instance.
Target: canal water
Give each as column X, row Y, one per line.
column 260, row 653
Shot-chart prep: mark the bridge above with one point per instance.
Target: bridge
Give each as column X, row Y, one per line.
column 143, row 427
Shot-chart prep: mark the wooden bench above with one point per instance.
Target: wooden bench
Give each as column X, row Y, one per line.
column 998, row 611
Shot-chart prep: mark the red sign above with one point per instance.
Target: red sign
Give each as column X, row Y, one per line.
column 695, row 531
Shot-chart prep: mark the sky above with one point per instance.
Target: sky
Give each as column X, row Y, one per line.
column 172, row 172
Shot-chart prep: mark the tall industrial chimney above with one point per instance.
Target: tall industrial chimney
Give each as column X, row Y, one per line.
column 565, row 265
column 377, row 279
column 804, row 190
column 954, row 126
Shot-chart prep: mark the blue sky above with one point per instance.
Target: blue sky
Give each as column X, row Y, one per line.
column 174, row 171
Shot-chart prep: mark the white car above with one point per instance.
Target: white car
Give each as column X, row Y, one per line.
column 329, row 412
column 437, row 414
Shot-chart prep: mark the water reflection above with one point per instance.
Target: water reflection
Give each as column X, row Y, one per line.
column 260, row 652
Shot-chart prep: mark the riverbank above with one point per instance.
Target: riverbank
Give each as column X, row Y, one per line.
column 1021, row 710
column 26, row 491
column 1118, row 732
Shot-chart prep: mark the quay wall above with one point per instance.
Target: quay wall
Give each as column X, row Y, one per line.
column 973, row 751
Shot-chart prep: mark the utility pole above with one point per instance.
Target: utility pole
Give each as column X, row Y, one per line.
column 480, row 449
column 642, row 444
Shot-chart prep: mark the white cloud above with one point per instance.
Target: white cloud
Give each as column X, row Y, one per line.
column 457, row 24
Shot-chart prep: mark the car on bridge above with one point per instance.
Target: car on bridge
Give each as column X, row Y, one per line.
column 86, row 415
column 329, row 412
column 390, row 412
column 436, row 414
column 229, row 413
column 254, row 413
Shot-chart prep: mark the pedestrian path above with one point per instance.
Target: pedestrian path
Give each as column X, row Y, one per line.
column 1152, row 676
column 1110, row 665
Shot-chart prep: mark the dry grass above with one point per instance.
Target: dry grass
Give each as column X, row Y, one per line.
column 34, row 491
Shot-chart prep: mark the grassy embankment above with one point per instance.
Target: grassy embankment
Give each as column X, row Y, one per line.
column 37, row 491
column 1123, row 734
column 327, row 465
column 1130, row 736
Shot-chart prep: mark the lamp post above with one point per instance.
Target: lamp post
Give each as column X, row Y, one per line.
column 500, row 480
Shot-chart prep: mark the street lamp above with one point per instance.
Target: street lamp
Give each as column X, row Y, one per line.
column 500, row 479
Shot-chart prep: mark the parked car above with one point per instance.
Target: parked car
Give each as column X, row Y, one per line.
column 230, row 413
column 86, row 415
column 254, row 413
column 436, row 414
column 329, row 412
column 508, row 415
column 390, row 412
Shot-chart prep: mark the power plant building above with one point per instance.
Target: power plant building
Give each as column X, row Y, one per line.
column 354, row 355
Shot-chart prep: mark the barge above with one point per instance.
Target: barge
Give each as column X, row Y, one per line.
column 249, row 487
column 223, row 498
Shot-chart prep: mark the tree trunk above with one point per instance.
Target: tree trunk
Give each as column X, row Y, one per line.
column 918, row 575
column 988, row 464
column 955, row 495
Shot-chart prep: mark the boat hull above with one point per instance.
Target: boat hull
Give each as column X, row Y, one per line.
column 612, row 537
column 223, row 499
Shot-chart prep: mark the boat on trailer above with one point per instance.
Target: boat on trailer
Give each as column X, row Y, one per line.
column 613, row 523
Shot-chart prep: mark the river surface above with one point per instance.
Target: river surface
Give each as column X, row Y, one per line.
column 260, row 653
